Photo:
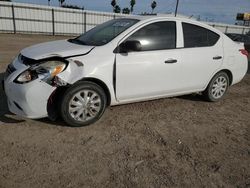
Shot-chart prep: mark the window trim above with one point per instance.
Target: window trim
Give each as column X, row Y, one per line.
column 142, row 26
column 202, row 28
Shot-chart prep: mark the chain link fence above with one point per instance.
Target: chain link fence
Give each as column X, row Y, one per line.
column 27, row 18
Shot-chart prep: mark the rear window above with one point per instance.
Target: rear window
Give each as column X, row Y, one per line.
column 196, row 36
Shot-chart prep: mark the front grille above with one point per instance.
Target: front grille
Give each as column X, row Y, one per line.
column 10, row 70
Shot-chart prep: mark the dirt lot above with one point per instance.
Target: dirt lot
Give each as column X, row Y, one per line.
column 177, row 142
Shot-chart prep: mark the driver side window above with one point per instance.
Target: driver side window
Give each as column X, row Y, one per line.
column 156, row 36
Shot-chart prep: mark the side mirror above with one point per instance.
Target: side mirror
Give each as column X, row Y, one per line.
column 131, row 45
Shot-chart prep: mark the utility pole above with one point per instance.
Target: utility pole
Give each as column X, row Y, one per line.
column 176, row 9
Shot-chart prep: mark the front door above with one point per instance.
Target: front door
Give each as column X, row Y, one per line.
column 153, row 71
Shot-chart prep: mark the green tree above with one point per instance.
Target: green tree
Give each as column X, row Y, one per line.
column 153, row 6
column 132, row 4
column 61, row 2
column 126, row 11
column 113, row 4
column 72, row 7
column 117, row 9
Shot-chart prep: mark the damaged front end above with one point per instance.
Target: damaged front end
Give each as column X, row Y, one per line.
column 62, row 81
column 59, row 73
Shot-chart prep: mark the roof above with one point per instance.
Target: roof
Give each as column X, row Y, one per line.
column 164, row 16
column 172, row 17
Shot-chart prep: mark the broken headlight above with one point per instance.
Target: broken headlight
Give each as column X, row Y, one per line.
column 45, row 71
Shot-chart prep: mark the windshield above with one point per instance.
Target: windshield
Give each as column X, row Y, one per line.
column 104, row 33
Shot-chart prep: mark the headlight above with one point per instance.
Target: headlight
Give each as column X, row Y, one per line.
column 46, row 71
column 26, row 76
column 51, row 68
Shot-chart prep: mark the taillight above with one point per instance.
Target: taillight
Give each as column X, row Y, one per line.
column 244, row 52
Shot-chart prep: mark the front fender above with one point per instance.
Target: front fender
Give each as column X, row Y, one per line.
column 73, row 72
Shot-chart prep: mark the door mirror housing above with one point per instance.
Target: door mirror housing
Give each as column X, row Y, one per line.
column 131, row 45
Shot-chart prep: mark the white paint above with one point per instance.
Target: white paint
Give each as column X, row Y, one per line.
column 61, row 48
column 140, row 76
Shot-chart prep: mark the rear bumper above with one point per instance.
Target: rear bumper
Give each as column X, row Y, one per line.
column 239, row 72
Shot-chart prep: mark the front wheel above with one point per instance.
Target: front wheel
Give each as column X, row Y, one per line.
column 217, row 87
column 83, row 104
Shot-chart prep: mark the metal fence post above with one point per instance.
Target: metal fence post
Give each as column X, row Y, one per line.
column 243, row 31
column 82, row 21
column 85, row 22
column 13, row 18
column 53, row 22
column 226, row 29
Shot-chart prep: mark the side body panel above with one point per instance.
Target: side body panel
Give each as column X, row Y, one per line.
column 133, row 81
column 198, row 65
column 145, row 74
column 98, row 64
column 234, row 60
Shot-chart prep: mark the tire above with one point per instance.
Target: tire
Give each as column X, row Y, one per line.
column 217, row 87
column 83, row 104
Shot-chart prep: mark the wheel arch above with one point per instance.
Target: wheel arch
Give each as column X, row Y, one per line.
column 56, row 97
column 229, row 74
column 102, row 85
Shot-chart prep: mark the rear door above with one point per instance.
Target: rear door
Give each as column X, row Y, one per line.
column 201, row 56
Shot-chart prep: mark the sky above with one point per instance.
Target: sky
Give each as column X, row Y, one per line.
column 223, row 11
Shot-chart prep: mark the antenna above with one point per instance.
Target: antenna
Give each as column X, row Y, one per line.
column 176, row 9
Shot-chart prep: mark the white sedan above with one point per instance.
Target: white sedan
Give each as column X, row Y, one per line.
column 122, row 61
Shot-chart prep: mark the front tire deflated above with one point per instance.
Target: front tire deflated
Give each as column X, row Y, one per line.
column 83, row 103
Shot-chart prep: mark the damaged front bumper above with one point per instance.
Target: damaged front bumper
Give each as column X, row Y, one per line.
column 29, row 99
column 33, row 99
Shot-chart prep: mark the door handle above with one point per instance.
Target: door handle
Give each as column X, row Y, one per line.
column 217, row 57
column 170, row 61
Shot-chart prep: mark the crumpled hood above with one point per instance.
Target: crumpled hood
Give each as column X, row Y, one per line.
column 61, row 48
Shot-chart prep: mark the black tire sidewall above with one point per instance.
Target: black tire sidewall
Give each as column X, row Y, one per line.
column 208, row 92
column 70, row 93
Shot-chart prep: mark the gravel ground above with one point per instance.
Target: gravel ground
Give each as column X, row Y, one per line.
column 174, row 142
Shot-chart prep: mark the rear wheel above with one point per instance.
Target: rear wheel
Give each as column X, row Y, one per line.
column 83, row 104
column 217, row 87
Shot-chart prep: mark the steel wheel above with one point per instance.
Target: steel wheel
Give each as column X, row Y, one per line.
column 219, row 87
column 85, row 105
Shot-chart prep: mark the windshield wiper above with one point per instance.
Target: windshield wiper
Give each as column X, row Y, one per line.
column 77, row 41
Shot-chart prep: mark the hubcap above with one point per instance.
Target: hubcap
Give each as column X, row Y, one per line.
column 85, row 105
column 219, row 87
